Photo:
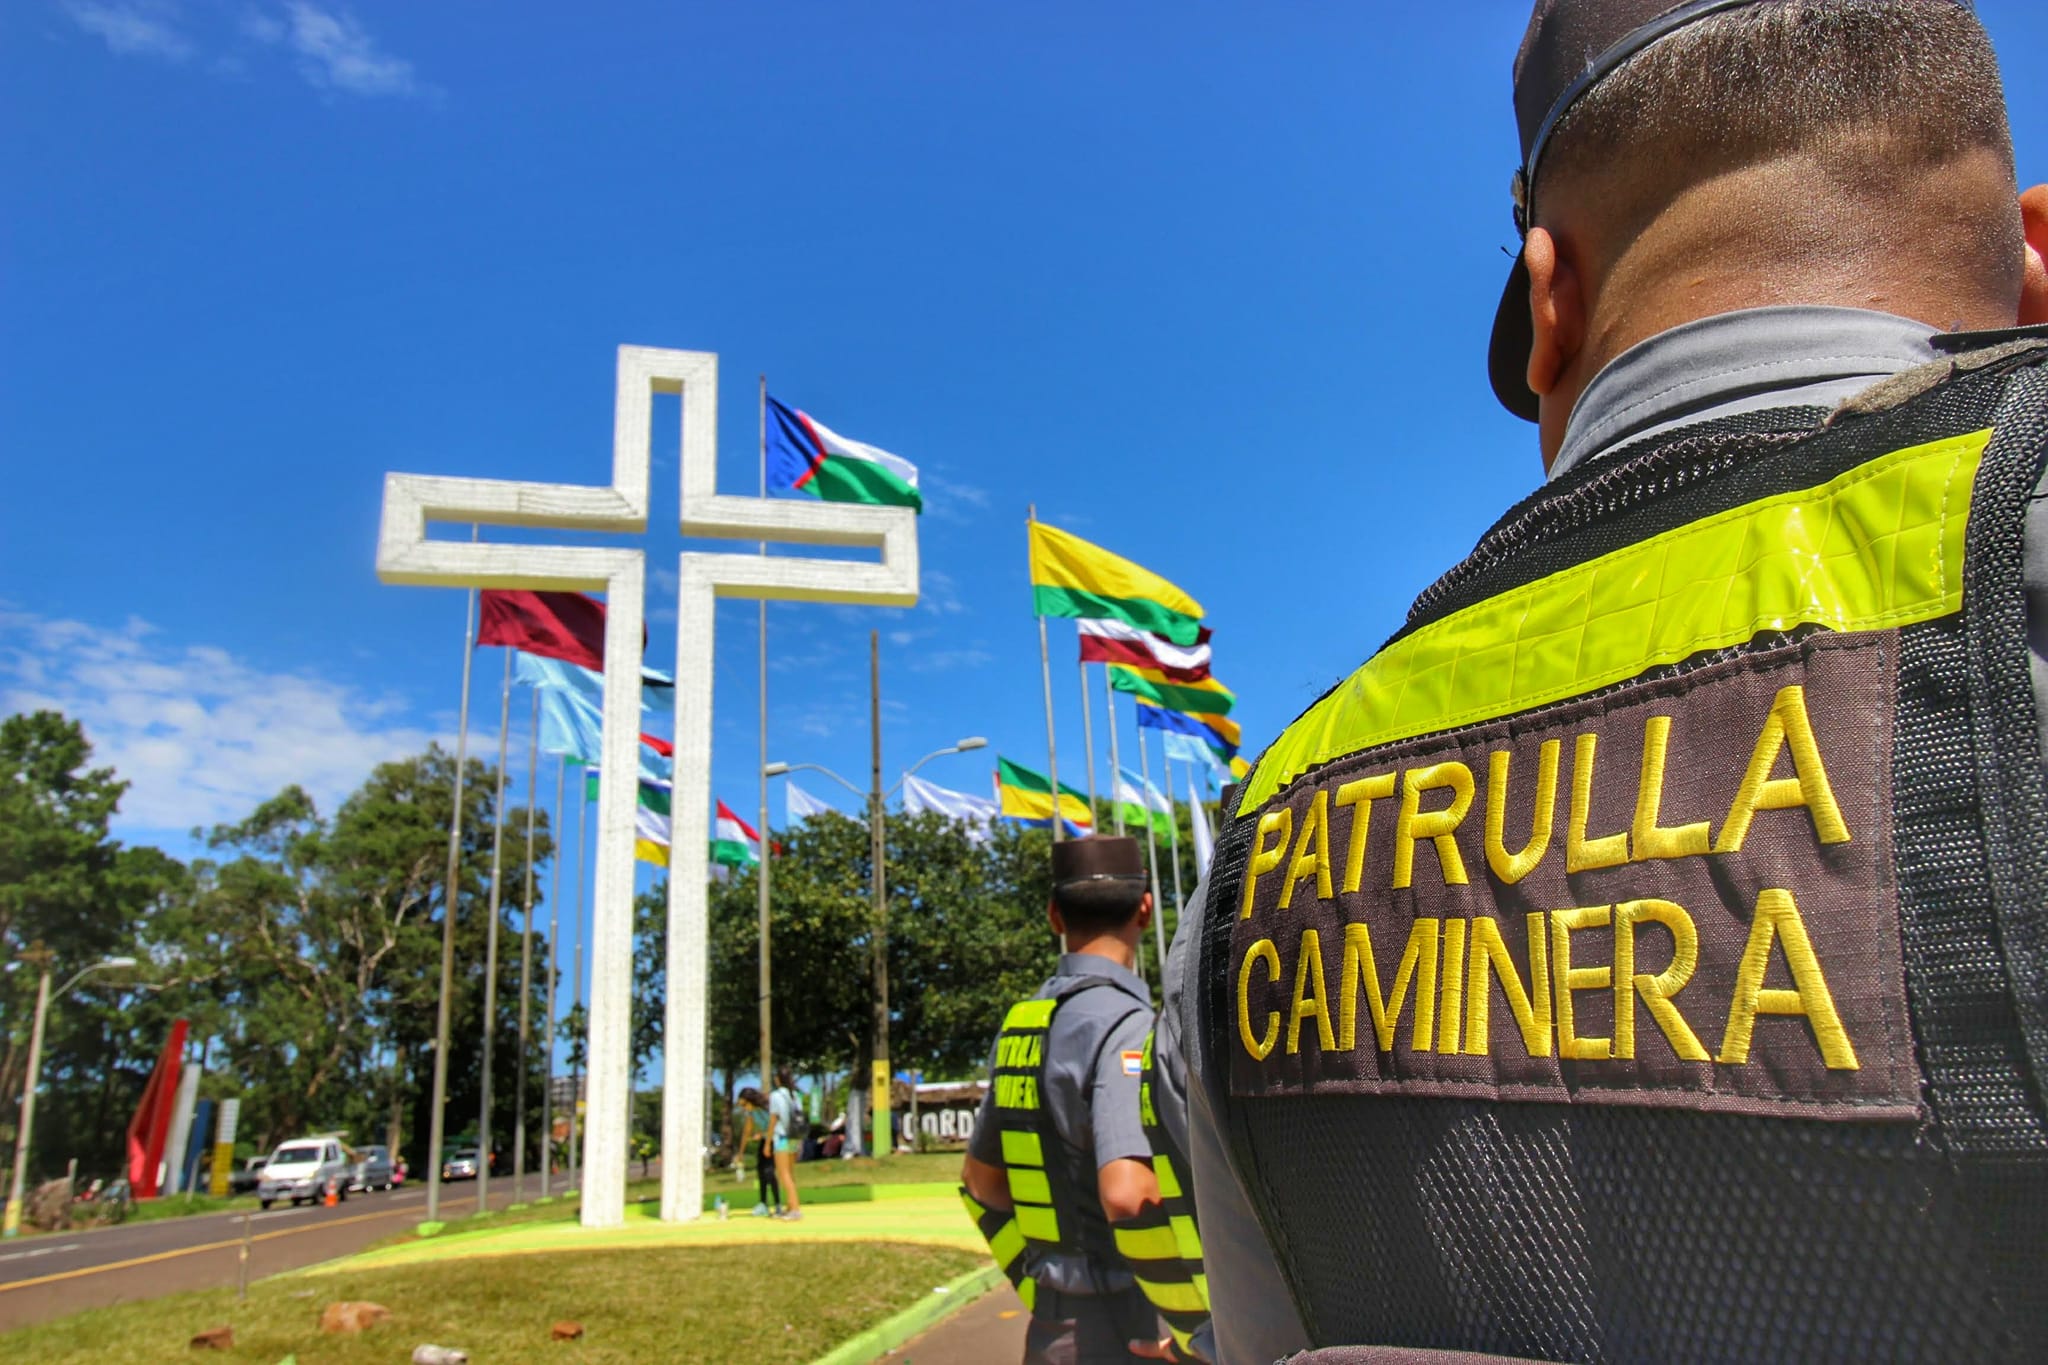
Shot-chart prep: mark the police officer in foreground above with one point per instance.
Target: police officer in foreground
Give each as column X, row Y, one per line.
column 1058, row 1151
column 1644, row 954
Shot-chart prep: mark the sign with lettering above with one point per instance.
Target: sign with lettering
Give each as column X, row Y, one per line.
column 1676, row 894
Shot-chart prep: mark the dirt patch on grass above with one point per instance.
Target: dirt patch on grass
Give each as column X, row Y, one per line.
column 767, row 1305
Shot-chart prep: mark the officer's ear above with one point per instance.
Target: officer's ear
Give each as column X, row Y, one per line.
column 1557, row 311
column 2034, row 287
column 1145, row 912
column 1055, row 919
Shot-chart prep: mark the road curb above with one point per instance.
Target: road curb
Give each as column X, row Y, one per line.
column 887, row 1335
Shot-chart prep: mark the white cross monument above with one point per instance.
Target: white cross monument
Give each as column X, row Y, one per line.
column 406, row 555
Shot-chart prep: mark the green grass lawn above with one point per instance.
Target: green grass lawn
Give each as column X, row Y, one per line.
column 765, row 1305
column 185, row 1205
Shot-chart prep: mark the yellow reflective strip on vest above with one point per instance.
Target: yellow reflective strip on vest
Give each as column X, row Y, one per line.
column 1040, row 1224
column 1187, row 1241
column 1184, row 1340
column 1007, row 1244
column 1175, row 1298
column 1029, row 1187
column 1169, row 1181
column 1027, row 1290
column 1147, row 1244
column 1030, row 1014
column 1878, row 546
column 1022, row 1149
column 1202, row 1288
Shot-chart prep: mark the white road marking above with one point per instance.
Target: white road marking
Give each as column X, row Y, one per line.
column 38, row 1251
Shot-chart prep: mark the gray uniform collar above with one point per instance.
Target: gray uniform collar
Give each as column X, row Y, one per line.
column 1757, row 358
column 1088, row 964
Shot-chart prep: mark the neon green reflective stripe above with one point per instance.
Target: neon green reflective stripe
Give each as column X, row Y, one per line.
column 1022, row 1149
column 1039, row 1224
column 1030, row 1014
column 1878, row 546
column 1027, row 1290
column 975, row 1208
column 1174, row 1298
column 1181, row 1339
column 1169, row 1179
column 1186, row 1240
column 1007, row 1244
column 1147, row 1244
column 1202, row 1288
column 1029, row 1187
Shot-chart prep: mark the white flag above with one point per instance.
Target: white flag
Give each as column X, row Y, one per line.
column 1205, row 838
column 801, row 804
column 976, row 812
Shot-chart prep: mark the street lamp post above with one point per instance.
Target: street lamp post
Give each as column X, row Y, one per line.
column 877, row 800
column 41, row 957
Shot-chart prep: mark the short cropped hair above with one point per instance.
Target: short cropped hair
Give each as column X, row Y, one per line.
column 1876, row 88
column 1099, row 905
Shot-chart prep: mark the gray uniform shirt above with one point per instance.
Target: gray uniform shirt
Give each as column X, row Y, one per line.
column 1716, row 367
column 1089, row 1084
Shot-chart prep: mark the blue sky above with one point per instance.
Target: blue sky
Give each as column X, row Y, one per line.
column 1206, row 284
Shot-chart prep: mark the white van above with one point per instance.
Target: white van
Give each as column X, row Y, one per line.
column 299, row 1171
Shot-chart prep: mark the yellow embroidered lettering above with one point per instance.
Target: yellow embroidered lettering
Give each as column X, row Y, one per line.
column 1512, row 867
column 1436, row 825
column 1359, row 796
column 1265, row 857
column 1310, row 998
column 1654, row 991
column 1777, row 921
column 1454, row 986
column 1315, row 827
column 1569, row 978
column 1580, row 853
column 1262, row 951
column 1530, row 1007
column 1418, row 965
column 1787, row 727
column 1647, row 838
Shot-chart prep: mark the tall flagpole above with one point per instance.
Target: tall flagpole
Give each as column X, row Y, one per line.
column 1115, row 762
column 582, row 932
column 1052, row 753
column 483, row 1146
column 547, row 1108
column 767, row 975
column 1172, row 834
column 451, row 894
column 526, row 965
column 1088, row 741
column 1151, row 851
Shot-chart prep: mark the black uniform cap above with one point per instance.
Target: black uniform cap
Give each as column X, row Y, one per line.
column 1099, row 858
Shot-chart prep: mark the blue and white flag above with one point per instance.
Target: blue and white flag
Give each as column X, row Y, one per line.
column 574, row 727
column 657, row 690
column 801, row 805
column 978, row 813
column 1143, row 803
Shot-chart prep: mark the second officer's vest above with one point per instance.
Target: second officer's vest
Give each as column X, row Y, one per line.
column 1052, row 1188
column 1644, row 955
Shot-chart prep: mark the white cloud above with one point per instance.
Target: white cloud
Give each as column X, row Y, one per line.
column 200, row 735
column 134, row 28
column 336, row 52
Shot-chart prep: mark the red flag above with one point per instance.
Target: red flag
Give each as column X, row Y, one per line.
column 658, row 744
column 555, row 625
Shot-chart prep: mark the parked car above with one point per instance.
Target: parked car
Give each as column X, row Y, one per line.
column 459, row 1164
column 373, row 1169
column 300, row 1169
column 244, row 1178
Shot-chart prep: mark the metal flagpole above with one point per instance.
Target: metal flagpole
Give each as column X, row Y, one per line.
column 483, row 1146
column 1088, row 739
column 1052, row 753
column 1152, row 852
column 1172, row 834
column 526, row 966
column 547, row 1134
column 451, row 894
column 1115, row 763
column 582, row 932
column 767, row 978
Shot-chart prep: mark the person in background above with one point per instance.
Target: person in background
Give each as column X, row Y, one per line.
column 784, row 1110
column 754, row 1146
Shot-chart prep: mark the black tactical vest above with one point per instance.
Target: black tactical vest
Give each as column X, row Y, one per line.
column 1644, row 956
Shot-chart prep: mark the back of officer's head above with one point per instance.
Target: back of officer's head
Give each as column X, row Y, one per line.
column 1098, row 884
column 1850, row 152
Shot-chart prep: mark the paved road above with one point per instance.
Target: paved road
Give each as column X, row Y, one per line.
column 52, row 1274
column 991, row 1329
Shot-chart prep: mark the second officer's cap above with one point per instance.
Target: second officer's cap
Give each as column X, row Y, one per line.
column 1099, row 858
